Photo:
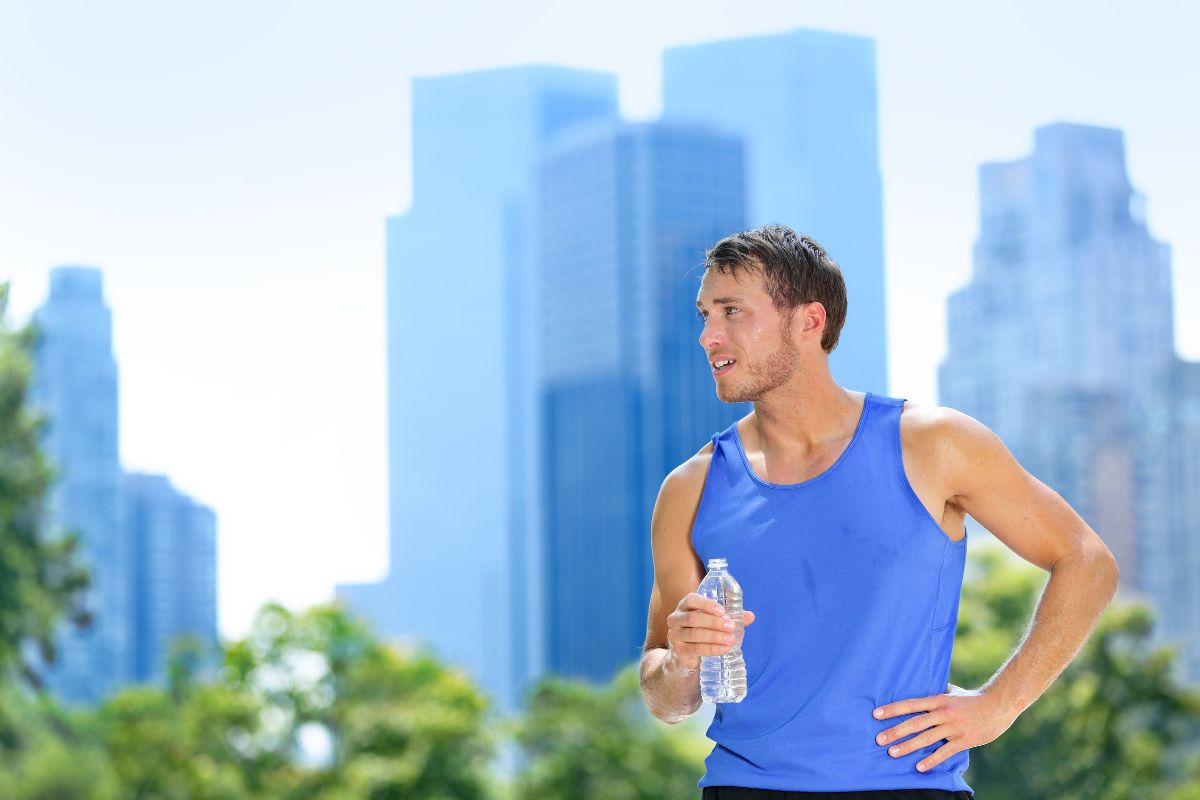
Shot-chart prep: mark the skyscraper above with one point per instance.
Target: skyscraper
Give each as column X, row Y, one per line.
column 1068, row 286
column 804, row 103
column 75, row 386
column 461, row 306
column 173, row 568
column 627, row 211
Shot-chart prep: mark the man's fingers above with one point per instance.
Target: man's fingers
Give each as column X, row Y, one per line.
column 698, row 627
column 747, row 617
column 939, row 755
column 695, row 600
column 697, row 611
column 909, row 726
column 909, row 706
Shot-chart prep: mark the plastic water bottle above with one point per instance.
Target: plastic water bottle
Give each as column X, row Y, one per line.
column 723, row 677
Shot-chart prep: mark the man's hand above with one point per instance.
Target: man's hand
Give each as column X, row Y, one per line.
column 964, row 717
column 700, row 627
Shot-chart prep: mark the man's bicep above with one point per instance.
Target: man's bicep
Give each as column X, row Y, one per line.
column 1030, row 518
column 676, row 567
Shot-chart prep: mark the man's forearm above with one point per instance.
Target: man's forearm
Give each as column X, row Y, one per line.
column 1079, row 588
column 671, row 691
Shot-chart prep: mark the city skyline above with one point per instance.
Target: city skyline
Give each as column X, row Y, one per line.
column 577, row 218
column 149, row 550
column 225, row 279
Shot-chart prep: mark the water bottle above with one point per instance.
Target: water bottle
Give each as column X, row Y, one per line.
column 723, row 677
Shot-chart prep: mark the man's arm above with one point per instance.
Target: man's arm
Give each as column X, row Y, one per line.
column 683, row 626
column 670, row 688
column 1037, row 524
column 981, row 478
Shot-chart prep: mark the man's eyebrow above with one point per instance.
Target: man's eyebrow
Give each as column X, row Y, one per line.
column 719, row 300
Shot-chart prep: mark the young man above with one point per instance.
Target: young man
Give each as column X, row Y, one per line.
column 841, row 516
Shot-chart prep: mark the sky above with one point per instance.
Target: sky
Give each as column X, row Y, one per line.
column 230, row 166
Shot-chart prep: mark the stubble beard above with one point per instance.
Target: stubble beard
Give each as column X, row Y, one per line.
column 774, row 371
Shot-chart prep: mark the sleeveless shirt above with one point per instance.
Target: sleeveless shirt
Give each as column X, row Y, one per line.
column 855, row 591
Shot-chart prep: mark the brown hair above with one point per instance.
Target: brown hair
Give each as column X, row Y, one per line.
column 794, row 269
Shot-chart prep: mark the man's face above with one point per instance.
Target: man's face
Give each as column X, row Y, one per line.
column 741, row 323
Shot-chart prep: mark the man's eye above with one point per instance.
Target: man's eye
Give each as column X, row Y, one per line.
column 700, row 314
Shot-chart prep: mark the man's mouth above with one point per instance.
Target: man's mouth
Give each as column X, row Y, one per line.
column 722, row 366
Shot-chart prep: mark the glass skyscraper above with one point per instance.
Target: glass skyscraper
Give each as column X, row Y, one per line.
column 173, row 573
column 1068, row 286
column 461, row 310
column 627, row 212
column 75, row 386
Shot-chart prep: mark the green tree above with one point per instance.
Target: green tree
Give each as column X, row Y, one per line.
column 54, row 758
column 580, row 741
column 40, row 579
column 41, row 583
column 399, row 724
column 195, row 745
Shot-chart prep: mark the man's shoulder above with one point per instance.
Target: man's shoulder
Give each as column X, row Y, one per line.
column 688, row 477
column 934, row 425
column 943, row 440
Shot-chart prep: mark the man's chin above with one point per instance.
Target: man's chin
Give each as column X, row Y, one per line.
column 727, row 396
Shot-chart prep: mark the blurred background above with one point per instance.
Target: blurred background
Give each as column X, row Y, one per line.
column 345, row 350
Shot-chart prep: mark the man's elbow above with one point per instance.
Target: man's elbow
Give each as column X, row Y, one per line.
column 1104, row 565
column 1098, row 560
column 1115, row 571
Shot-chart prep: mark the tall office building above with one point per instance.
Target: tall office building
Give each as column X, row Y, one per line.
column 461, row 306
column 1068, row 286
column 75, row 386
column 173, row 571
column 627, row 211
column 1169, row 506
column 804, row 103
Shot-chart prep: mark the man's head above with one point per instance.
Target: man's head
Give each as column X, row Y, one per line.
column 781, row 299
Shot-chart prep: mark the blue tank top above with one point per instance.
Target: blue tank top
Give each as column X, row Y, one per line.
column 855, row 591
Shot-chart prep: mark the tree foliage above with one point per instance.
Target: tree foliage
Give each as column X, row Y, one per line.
column 41, row 581
column 583, row 741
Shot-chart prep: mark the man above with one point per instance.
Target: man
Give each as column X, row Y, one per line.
column 841, row 516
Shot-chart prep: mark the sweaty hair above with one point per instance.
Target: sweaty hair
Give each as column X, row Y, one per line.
column 794, row 270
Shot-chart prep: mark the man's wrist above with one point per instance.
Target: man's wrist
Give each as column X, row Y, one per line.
column 675, row 666
column 1005, row 700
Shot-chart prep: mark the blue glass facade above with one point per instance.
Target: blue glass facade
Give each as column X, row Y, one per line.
column 627, row 212
column 75, row 386
column 461, row 308
column 173, row 566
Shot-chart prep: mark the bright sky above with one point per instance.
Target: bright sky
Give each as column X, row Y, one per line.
column 230, row 165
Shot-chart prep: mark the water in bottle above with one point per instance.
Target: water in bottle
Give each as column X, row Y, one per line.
column 723, row 677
